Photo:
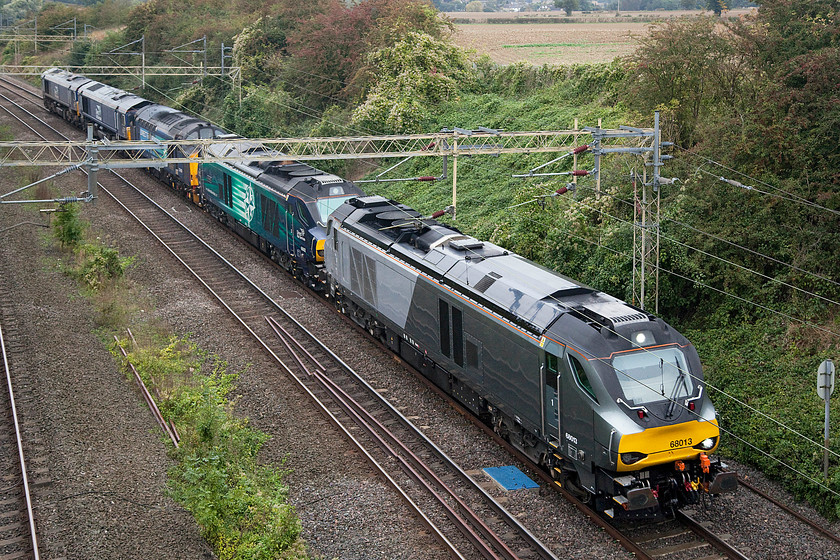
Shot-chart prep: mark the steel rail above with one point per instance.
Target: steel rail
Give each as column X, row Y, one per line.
column 250, row 328
column 418, row 511
column 709, row 536
column 815, row 526
column 369, row 422
column 30, row 511
column 382, row 470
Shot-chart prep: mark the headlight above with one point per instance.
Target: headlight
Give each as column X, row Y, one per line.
column 642, row 338
column 706, row 444
column 632, row 457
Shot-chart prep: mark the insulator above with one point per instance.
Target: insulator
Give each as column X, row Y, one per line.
column 580, row 173
column 562, row 190
column 425, row 178
column 438, row 214
column 580, row 149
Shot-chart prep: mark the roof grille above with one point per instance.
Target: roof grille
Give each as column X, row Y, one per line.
column 488, row 280
column 631, row 318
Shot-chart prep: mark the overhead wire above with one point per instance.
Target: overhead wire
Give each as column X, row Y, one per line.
column 788, row 196
column 722, row 392
column 717, row 389
column 732, row 263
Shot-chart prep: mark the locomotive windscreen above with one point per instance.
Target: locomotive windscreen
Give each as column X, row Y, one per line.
column 328, row 205
column 648, row 376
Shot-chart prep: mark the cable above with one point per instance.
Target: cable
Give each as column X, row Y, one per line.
column 790, row 196
column 688, row 373
column 772, row 279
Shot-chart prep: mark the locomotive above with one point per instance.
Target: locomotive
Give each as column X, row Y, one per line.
column 607, row 397
column 279, row 206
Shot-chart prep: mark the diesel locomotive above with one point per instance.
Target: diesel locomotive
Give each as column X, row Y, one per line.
column 607, row 397
column 280, row 206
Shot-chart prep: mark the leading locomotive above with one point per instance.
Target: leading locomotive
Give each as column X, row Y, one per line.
column 607, row 397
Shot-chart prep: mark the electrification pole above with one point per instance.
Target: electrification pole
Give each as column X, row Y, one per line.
column 646, row 232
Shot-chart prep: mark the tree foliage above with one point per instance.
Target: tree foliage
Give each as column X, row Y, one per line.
column 567, row 5
column 690, row 69
column 257, row 44
column 328, row 52
column 412, row 76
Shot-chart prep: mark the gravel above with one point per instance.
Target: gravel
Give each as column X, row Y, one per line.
column 107, row 463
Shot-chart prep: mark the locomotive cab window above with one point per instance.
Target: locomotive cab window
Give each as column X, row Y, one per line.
column 648, row 376
column 581, row 378
column 328, row 205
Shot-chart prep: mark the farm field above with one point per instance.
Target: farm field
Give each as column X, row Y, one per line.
column 550, row 43
column 577, row 42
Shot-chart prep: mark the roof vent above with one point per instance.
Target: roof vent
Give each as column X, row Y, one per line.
column 464, row 243
column 631, row 318
column 488, row 280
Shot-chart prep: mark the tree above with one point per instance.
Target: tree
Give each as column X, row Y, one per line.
column 689, row 69
column 568, row 5
column 717, row 6
column 413, row 75
column 256, row 44
column 474, row 6
column 328, row 52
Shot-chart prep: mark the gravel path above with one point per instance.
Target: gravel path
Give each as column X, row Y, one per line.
column 107, row 462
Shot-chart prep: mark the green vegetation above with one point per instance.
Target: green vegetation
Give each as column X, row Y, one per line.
column 240, row 504
column 96, row 265
column 749, row 234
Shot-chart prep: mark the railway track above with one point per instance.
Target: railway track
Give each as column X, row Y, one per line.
column 456, row 509
column 18, row 532
column 681, row 538
column 461, row 514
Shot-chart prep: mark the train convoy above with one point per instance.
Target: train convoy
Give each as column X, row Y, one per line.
column 606, row 397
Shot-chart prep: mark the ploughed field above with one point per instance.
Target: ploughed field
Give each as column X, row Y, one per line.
column 584, row 39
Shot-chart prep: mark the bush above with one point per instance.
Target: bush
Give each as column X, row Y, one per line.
column 101, row 265
column 68, row 228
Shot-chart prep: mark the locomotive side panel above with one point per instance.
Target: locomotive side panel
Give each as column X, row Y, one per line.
column 495, row 361
column 371, row 276
column 231, row 192
column 97, row 110
column 510, row 367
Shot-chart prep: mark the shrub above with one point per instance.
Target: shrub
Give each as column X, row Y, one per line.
column 241, row 505
column 68, row 228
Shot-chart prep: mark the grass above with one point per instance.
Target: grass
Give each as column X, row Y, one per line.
column 558, row 45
